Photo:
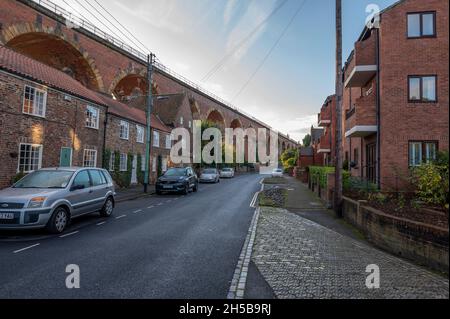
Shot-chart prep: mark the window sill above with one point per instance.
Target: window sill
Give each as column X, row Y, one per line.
column 92, row 128
column 35, row 115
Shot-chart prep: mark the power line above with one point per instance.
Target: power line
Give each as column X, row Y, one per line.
column 87, row 10
column 270, row 52
column 242, row 42
column 127, row 37
column 134, row 37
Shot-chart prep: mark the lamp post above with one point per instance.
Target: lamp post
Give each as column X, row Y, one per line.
column 149, row 118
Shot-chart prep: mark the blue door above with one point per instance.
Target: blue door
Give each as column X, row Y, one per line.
column 66, row 157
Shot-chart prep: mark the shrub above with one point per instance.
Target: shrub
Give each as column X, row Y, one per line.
column 432, row 183
column 18, row 177
column 320, row 174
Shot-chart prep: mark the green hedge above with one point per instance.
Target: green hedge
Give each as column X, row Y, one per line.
column 122, row 179
column 320, row 173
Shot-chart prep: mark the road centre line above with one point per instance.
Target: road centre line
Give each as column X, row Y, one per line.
column 120, row 217
column 26, row 248
column 69, row 234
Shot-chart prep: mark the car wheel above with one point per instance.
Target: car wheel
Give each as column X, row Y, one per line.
column 108, row 208
column 185, row 190
column 196, row 188
column 59, row 221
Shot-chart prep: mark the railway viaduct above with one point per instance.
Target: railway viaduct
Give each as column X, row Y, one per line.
column 47, row 33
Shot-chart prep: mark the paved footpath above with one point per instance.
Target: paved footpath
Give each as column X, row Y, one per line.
column 302, row 259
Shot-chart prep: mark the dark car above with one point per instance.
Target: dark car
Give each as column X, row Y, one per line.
column 177, row 180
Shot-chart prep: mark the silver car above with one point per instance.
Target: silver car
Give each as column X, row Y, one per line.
column 227, row 173
column 50, row 198
column 210, row 175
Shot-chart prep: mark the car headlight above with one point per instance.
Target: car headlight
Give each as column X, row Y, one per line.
column 37, row 202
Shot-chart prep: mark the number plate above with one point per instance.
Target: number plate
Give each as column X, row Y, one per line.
column 6, row 216
column 167, row 187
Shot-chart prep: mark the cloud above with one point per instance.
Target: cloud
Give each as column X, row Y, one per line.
column 255, row 13
column 229, row 10
column 159, row 14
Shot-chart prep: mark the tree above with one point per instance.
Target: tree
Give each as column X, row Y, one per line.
column 289, row 158
column 307, row 140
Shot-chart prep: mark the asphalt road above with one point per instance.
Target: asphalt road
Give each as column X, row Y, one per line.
column 169, row 246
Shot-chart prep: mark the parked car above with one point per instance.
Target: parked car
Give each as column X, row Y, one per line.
column 277, row 172
column 210, row 175
column 50, row 198
column 227, row 173
column 176, row 180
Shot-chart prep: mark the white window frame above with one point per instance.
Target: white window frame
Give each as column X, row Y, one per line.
column 86, row 153
column 164, row 164
column 89, row 120
column 34, row 101
column 140, row 134
column 154, row 164
column 121, row 163
column 143, row 163
column 168, row 141
column 39, row 159
column 155, row 139
column 111, row 162
column 124, row 131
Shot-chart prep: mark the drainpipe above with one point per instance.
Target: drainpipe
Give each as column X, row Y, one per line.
column 105, row 126
column 378, row 106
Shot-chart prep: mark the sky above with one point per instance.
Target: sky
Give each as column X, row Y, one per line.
column 193, row 36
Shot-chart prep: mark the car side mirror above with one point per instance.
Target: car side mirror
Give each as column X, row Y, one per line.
column 76, row 188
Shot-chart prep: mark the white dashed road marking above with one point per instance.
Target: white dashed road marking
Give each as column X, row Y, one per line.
column 26, row 248
column 102, row 223
column 160, row 204
column 69, row 234
column 120, row 217
column 150, row 207
column 137, row 211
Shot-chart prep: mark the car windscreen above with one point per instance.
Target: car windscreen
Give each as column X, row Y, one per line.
column 176, row 172
column 45, row 179
column 226, row 170
column 209, row 171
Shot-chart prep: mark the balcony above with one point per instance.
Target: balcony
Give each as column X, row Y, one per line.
column 324, row 118
column 362, row 67
column 361, row 119
column 324, row 145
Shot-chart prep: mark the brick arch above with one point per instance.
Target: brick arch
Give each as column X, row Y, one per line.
column 236, row 123
column 216, row 115
column 16, row 35
column 131, row 78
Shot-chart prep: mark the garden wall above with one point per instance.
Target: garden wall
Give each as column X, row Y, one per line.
column 422, row 243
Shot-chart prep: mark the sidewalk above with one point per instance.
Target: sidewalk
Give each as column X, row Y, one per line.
column 300, row 258
column 134, row 192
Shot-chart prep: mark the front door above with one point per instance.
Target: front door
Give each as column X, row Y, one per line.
column 134, row 170
column 65, row 157
column 371, row 162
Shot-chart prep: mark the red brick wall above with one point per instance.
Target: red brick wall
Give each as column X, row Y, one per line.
column 63, row 126
column 402, row 121
column 115, row 144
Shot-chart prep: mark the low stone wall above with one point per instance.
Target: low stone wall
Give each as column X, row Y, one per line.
column 425, row 244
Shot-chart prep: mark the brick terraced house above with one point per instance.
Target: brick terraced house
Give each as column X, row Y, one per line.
column 396, row 98
column 49, row 119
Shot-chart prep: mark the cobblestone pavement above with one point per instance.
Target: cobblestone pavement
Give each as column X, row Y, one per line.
column 302, row 259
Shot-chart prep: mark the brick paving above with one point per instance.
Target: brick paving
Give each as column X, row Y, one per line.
column 302, row 259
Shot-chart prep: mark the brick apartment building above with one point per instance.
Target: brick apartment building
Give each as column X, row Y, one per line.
column 48, row 119
column 309, row 155
column 396, row 101
column 327, row 120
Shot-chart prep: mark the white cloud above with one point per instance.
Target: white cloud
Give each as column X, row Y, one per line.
column 256, row 12
column 229, row 10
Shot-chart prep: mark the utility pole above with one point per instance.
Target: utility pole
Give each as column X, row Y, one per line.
column 339, row 93
column 149, row 119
